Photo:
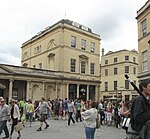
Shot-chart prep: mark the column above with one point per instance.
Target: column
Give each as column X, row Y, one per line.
column 10, row 88
column 61, row 90
column 97, row 92
column 87, row 93
column 28, row 91
column 67, row 92
column 77, row 90
column 43, row 90
column 56, row 88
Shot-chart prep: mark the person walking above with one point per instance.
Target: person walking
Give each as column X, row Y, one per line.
column 15, row 117
column 29, row 111
column 89, row 117
column 43, row 110
column 140, row 112
column 4, row 117
column 70, row 112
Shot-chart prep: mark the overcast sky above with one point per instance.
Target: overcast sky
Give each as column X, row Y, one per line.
column 113, row 20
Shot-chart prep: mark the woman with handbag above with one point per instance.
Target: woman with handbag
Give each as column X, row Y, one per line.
column 15, row 116
column 90, row 117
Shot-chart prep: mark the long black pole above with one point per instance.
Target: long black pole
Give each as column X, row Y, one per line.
column 134, row 86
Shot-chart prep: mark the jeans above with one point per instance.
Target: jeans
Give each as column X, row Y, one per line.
column 70, row 118
column 89, row 132
column 3, row 126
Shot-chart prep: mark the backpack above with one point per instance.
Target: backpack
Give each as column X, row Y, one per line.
column 21, row 104
column 144, row 130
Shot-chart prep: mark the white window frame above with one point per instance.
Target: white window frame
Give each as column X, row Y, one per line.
column 83, row 44
column 73, row 41
column 145, row 61
column 92, row 68
column 92, row 47
column 144, row 27
column 73, row 65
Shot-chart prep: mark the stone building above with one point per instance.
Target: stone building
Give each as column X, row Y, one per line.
column 143, row 21
column 60, row 61
column 114, row 65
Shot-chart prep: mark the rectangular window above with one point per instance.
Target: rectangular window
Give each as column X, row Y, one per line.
column 83, row 44
column 126, row 58
column 115, row 59
column 106, row 61
column 115, row 71
column 134, row 59
column 134, row 70
column 126, row 69
column 92, row 68
column 83, row 63
column 106, row 72
column 92, row 47
column 144, row 61
column 144, row 28
column 73, row 41
column 106, row 86
column 115, row 85
column 40, row 65
column 126, row 84
column 37, row 49
column 73, row 65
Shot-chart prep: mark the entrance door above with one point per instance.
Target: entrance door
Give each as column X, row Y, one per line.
column 72, row 91
column 82, row 92
column 92, row 92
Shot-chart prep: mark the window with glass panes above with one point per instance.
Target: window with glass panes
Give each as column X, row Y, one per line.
column 144, row 27
column 115, row 85
column 106, row 72
column 92, row 68
column 126, row 69
column 106, row 61
column 106, row 86
column 145, row 61
column 134, row 59
column 126, row 84
column 73, row 41
column 73, row 65
column 83, row 44
column 115, row 59
column 126, row 57
column 83, row 63
column 115, row 71
column 134, row 70
column 92, row 47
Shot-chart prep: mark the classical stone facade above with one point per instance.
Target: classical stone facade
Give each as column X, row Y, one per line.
column 114, row 65
column 60, row 61
column 143, row 20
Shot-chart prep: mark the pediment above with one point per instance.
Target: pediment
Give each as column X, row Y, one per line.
column 83, row 57
column 4, row 70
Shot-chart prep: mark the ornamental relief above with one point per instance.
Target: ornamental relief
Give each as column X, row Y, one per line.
column 51, row 44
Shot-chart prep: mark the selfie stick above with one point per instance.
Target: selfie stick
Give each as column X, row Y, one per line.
column 132, row 83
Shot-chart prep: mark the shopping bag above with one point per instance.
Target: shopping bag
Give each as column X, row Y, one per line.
column 19, row 127
column 98, row 124
column 125, row 123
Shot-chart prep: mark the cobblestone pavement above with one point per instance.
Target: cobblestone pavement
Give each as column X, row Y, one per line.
column 59, row 130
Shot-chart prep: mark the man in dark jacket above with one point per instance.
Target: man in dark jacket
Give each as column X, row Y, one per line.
column 140, row 112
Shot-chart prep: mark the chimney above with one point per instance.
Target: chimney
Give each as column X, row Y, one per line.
column 102, row 51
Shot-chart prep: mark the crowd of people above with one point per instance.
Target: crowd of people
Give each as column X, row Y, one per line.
column 41, row 110
column 111, row 112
